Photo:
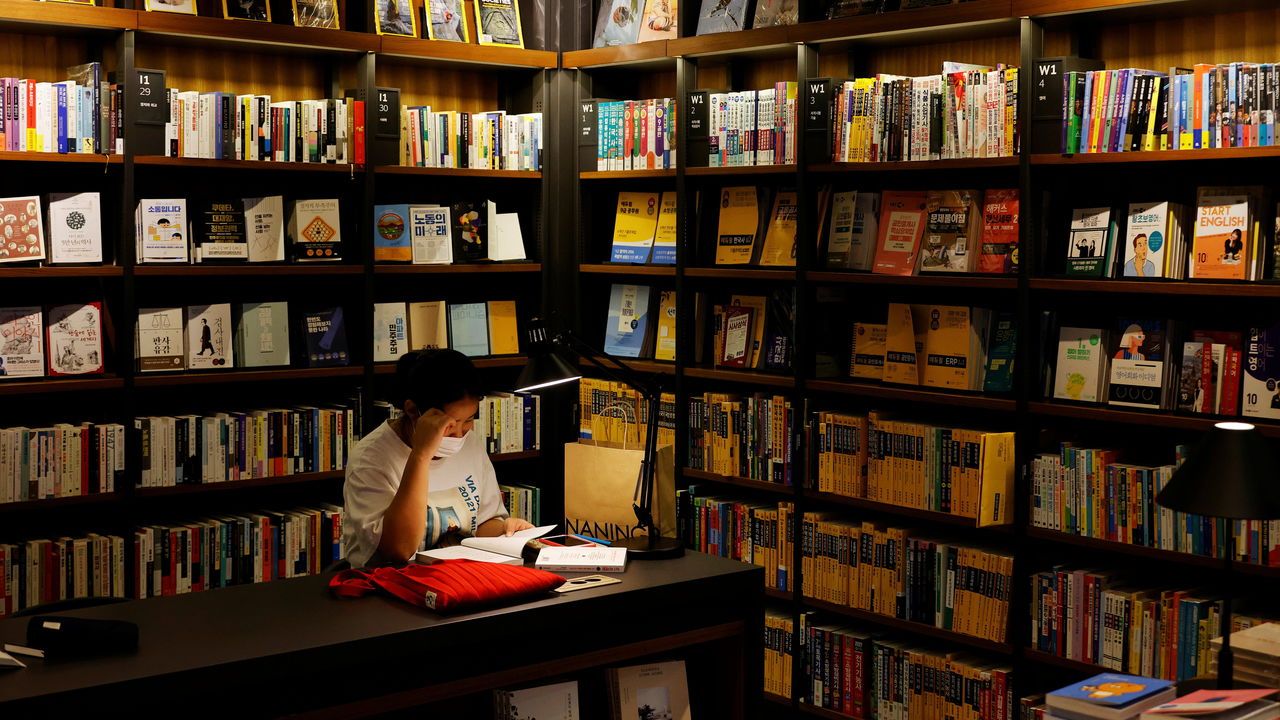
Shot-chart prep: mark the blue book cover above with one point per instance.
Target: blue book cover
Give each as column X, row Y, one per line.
column 628, row 321
column 469, row 329
column 61, row 89
column 391, row 238
column 86, row 111
column 326, row 334
column 1113, row 690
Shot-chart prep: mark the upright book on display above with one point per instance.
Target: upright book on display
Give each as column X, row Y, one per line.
column 634, row 225
column 1091, row 243
column 902, row 222
column 428, row 325
column 953, row 225
column 325, row 331
column 21, row 342
column 738, row 226
column 162, row 231
column 469, row 328
column 161, row 338
column 75, row 228
column 21, row 229
column 390, row 331
column 1262, row 373
column 315, row 227
column 1139, row 374
column 262, row 337
column 209, row 337
column 1081, row 362
column 627, row 323
column 264, row 228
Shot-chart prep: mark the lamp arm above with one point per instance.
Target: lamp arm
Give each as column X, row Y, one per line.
column 619, row 371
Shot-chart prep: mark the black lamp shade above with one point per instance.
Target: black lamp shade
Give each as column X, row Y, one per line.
column 1232, row 473
column 545, row 369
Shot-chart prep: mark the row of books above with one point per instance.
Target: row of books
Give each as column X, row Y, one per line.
column 864, row 675
column 1117, row 696
column 40, row 571
column 615, row 415
column 755, row 533
column 59, row 340
column 780, row 648
column 227, row 126
column 951, row 470
column 1089, row 492
column 1105, row 619
column 62, row 460
column 430, row 234
column 474, row 329
column 244, row 445
column 234, row 549
column 237, row 230
column 644, row 228
column 73, row 233
column 890, row 571
column 629, row 330
column 1202, row 107
column 82, row 114
column 658, row 690
column 523, row 502
column 748, row 127
column 750, row 437
column 1226, row 240
column 511, row 422
column 1134, row 366
column 493, row 140
column 750, row 331
column 628, row 134
column 943, row 346
column 756, row 226
column 967, row 111
column 205, row 337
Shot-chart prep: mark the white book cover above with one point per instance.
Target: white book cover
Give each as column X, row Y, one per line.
column 545, row 702
column 582, row 559
column 391, row 331
column 1261, row 368
column 74, row 339
column 662, row 687
column 866, row 227
column 264, row 228
column 1146, row 240
column 263, row 334
column 21, row 229
column 430, row 235
column 840, row 229
column 161, row 340
column 75, row 228
column 162, row 228
column 1080, row 364
column 209, row 337
column 21, row 342
column 506, row 242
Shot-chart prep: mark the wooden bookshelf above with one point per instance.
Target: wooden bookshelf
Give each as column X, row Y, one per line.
column 621, row 269
column 914, row 628
column 239, row 485
column 815, row 711
column 39, row 386
column 237, row 376
column 52, row 504
column 249, row 270
column 60, row 271
column 741, row 482
column 1154, row 418
column 755, row 43
column 1158, row 156
column 1148, row 553
column 277, row 37
column 64, row 18
column 653, row 367
column 478, row 173
column 645, row 54
column 741, row 376
column 501, row 361
column 910, row 394
column 110, row 161
column 626, row 174
column 1043, row 658
column 263, row 165
column 779, row 595
column 737, row 170
column 959, row 282
column 515, row 456
column 913, row 166
column 744, row 272
column 931, row 516
column 776, row 699
column 459, row 269
column 1197, row 288
column 455, row 53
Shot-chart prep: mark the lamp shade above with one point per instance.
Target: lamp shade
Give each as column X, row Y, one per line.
column 545, row 369
column 1232, row 473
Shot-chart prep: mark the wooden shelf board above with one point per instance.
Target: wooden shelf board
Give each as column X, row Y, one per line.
column 777, row 699
column 626, row 174
column 1148, row 553
column 1159, row 287
column 920, row 21
column 622, row 269
column 759, row 485
column 779, row 595
column 26, row 506
column 210, row 164
column 645, row 54
column 653, row 367
column 456, row 53
column 44, row 157
column 913, row 627
column 515, row 456
column 815, row 711
column 743, row 272
column 977, row 282
column 907, row 393
column 221, row 487
column 60, row 271
column 461, row 268
column 916, row 165
column 931, row 516
column 58, row 384
column 200, row 29
column 245, row 376
column 741, row 170
column 742, row 376
column 57, row 17
column 1137, row 417
column 458, row 172
column 1270, row 152
column 757, row 42
column 389, row 368
column 1044, row 658
column 255, row 269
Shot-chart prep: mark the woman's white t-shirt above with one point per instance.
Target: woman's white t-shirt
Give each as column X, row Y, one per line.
column 463, row 491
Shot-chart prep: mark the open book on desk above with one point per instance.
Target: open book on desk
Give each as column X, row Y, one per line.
column 501, row 549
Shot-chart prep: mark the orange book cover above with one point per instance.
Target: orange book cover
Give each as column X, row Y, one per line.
column 902, row 216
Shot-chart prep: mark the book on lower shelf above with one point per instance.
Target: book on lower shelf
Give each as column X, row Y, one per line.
column 743, row 436
column 543, row 702
column 661, row 689
column 36, row 572
column 325, row 334
column 750, row 532
column 60, row 460
column 74, row 339
column 623, row 135
column 21, row 342
column 616, row 415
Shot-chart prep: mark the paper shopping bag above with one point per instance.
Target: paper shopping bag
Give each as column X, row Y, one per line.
column 600, row 487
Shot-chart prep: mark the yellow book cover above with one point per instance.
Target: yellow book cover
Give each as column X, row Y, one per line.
column 739, row 224
column 997, row 479
column 428, row 326
column 946, row 347
column 504, row 332
column 868, row 351
column 780, row 237
column 665, row 349
column 900, row 362
column 664, row 238
column 1223, row 233
column 757, row 303
column 634, row 225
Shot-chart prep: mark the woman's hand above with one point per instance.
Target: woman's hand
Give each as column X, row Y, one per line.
column 514, row 525
column 429, row 429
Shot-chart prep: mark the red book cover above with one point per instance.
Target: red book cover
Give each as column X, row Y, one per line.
column 31, row 116
column 4, row 587
column 999, row 249
column 902, row 216
column 858, row 710
column 850, row 683
column 1230, row 403
column 357, row 133
column 269, row 569
column 737, row 341
column 1206, row 378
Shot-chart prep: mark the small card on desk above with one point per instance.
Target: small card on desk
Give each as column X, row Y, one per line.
column 9, row 662
column 585, row 582
column 582, row 559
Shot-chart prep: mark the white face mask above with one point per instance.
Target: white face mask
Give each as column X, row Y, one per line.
column 450, row 446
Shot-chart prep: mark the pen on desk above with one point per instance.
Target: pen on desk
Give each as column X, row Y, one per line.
column 588, row 538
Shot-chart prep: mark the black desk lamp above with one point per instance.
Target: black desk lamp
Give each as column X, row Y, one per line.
column 548, row 366
column 1231, row 474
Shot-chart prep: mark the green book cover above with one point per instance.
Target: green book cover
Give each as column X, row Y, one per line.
column 1001, row 348
column 1089, row 242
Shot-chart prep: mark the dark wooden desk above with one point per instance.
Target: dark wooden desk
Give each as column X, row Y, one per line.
column 287, row 647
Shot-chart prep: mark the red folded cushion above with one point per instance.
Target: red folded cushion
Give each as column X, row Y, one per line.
column 448, row 586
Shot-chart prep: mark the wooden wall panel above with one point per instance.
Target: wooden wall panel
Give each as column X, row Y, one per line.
column 284, row 76
column 46, row 57
column 922, row 59
column 713, row 73
column 1160, row 43
column 440, row 87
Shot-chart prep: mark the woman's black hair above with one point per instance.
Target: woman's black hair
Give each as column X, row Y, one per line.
column 434, row 378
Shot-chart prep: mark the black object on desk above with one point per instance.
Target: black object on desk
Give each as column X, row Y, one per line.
column 67, row 638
